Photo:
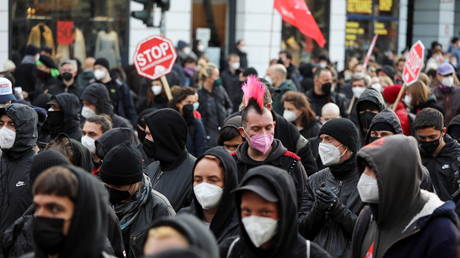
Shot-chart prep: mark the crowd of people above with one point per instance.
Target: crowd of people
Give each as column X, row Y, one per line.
column 294, row 161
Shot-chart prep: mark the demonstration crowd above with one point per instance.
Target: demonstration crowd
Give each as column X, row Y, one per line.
column 304, row 161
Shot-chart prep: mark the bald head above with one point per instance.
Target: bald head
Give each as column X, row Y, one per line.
column 277, row 74
column 329, row 111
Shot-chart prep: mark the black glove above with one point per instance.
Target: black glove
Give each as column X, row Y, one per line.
column 328, row 198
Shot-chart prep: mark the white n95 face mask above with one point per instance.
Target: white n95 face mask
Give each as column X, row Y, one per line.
column 208, row 195
column 368, row 189
column 156, row 89
column 329, row 154
column 290, row 116
column 87, row 112
column 99, row 74
column 7, row 137
column 89, row 143
column 448, row 81
column 260, row 229
column 357, row 91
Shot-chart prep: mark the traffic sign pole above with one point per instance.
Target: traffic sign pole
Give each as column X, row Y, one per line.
column 166, row 87
column 398, row 98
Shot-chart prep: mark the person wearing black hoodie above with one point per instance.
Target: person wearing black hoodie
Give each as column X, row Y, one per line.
column 439, row 153
column 96, row 101
column 369, row 104
column 64, row 116
column 266, row 203
column 70, row 218
column 171, row 172
column 453, row 129
column 333, row 202
column 214, row 177
column 73, row 150
column 132, row 197
column 18, row 137
column 181, row 231
column 400, row 219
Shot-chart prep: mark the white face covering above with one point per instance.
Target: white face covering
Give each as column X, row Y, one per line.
column 357, row 91
column 368, row 189
column 236, row 65
column 196, row 105
column 156, row 89
column 87, row 112
column 7, row 137
column 260, row 229
column 448, row 81
column 329, row 154
column 208, row 195
column 89, row 143
column 99, row 74
column 290, row 116
column 377, row 86
column 407, row 100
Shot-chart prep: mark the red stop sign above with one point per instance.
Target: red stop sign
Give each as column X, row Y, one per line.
column 414, row 63
column 154, row 57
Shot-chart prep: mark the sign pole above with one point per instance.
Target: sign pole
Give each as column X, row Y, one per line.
column 398, row 98
column 166, row 87
column 369, row 51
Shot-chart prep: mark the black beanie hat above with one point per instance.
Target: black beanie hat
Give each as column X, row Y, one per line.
column 44, row 160
column 102, row 61
column 122, row 165
column 31, row 50
column 344, row 131
column 383, row 126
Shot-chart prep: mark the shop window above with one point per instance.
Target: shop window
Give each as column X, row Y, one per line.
column 72, row 28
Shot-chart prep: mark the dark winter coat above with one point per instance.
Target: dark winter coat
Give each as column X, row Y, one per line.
column 406, row 223
column 449, row 100
column 318, row 101
column 171, row 173
column 279, row 157
column 287, row 242
column 332, row 230
column 196, row 137
column 277, row 96
column 62, row 88
column 430, row 103
column 214, row 107
column 232, row 84
column 122, row 99
column 225, row 221
column 15, row 188
column 311, row 129
column 445, row 170
column 25, row 75
column 98, row 95
column 198, row 235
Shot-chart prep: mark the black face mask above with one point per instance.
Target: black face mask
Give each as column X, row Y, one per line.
column 187, row 110
column 55, row 118
column 149, row 148
column 66, row 76
column 429, row 147
column 48, row 234
column 140, row 133
column 372, row 139
column 365, row 119
column 326, row 87
column 116, row 196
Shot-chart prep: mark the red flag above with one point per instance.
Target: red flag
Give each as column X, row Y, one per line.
column 296, row 13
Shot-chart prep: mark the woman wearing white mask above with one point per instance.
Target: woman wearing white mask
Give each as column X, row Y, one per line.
column 154, row 96
column 332, row 199
column 266, row 203
column 214, row 178
column 400, row 219
column 297, row 110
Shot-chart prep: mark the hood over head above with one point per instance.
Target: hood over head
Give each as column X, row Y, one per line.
column 371, row 95
column 98, row 95
column 169, row 133
column 76, row 153
column 398, row 167
column 388, row 117
column 112, row 138
column 25, row 120
column 89, row 221
column 453, row 129
column 70, row 107
column 226, row 209
column 44, row 160
column 198, row 235
column 283, row 186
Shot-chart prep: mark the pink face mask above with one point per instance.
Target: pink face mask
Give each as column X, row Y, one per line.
column 261, row 142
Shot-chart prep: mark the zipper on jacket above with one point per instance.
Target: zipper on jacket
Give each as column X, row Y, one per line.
column 157, row 179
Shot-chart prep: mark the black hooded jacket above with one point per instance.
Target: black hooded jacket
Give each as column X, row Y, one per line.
column 369, row 95
column 318, row 101
column 89, row 221
column 171, row 173
column 225, row 221
column 70, row 108
column 279, row 157
column 409, row 222
column 98, row 95
column 454, row 122
column 15, row 188
column 444, row 170
column 197, row 234
column 287, row 242
column 332, row 230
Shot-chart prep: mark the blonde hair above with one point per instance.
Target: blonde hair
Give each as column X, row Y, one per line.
column 419, row 93
column 385, row 81
column 206, row 71
column 163, row 232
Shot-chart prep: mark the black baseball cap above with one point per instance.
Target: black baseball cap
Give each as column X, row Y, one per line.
column 259, row 186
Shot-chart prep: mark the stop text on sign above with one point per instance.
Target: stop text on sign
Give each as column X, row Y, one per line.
column 151, row 54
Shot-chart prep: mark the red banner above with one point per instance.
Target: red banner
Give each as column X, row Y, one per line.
column 296, row 13
column 65, row 32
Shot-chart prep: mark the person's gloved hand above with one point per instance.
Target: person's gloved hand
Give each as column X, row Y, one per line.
column 327, row 198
